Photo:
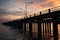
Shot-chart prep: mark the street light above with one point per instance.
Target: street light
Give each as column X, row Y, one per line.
column 26, row 7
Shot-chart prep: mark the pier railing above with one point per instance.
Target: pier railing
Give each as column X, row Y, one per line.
column 44, row 11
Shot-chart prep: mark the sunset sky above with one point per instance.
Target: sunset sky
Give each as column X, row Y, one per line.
column 14, row 9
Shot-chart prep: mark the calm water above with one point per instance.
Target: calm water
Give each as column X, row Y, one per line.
column 46, row 35
column 8, row 33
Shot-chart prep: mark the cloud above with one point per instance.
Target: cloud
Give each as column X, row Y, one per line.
column 45, row 5
column 3, row 11
column 14, row 6
column 36, row 1
column 6, row 3
column 7, row 12
column 9, row 17
column 6, row 15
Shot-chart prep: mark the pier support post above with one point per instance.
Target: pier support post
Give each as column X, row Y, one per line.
column 30, row 29
column 46, row 29
column 39, row 31
column 18, row 26
column 24, row 28
column 55, row 29
column 49, row 28
column 21, row 25
column 43, row 28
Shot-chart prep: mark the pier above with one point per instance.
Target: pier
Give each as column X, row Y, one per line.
column 42, row 22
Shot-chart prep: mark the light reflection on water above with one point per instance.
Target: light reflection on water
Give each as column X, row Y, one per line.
column 46, row 35
column 9, row 33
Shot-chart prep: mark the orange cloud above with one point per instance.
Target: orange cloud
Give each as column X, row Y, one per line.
column 10, row 17
column 36, row 7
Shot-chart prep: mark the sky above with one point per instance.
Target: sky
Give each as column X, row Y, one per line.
column 15, row 9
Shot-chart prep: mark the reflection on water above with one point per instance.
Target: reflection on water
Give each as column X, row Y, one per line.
column 47, row 33
column 7, row 32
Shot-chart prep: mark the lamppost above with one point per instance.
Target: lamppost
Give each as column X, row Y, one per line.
column 26, row 7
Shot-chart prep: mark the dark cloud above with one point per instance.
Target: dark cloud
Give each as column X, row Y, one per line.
column 6, row 12
column 35, row 1
column 18, row 13
column 3, row 11
column 4, row 1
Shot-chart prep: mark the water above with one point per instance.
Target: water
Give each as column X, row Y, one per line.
column 46, row 35
column 8, row 33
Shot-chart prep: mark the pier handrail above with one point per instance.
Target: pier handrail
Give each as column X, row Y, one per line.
column 52, row 9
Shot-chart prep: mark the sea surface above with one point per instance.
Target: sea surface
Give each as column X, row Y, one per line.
column 8, row 33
